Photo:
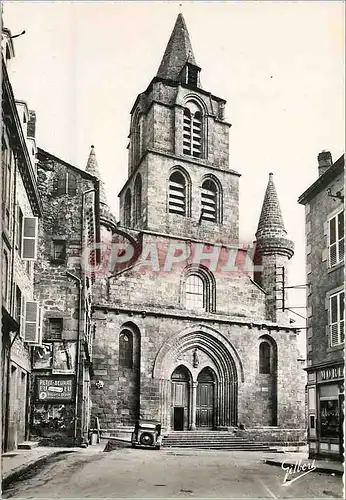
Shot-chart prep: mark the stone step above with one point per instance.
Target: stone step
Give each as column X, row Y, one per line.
column 217, row 440
column 196, row 443
column 224, row 447
column 27, row 445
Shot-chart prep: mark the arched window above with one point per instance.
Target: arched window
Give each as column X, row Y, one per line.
column 138, row 199
column 137, row 139
column 198, row 288
column 177, row 194
column 192, row 130
column 195, row 293
column 264, row 357
column 126, row 349
column 209, row 201
column 127, row 209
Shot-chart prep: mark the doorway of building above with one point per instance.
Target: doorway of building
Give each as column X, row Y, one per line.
column 205, row 399
column 180, row 398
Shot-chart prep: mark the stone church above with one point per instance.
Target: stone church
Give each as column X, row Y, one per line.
column 184, row 331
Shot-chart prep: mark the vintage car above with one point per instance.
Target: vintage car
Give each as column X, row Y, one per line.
column 147, row 434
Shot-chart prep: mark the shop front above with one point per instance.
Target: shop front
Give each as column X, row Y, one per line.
column 326, row 411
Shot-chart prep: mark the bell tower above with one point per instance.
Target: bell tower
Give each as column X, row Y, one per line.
column 179, row 179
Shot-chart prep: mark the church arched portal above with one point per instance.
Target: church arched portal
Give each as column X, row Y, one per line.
column 210, row 362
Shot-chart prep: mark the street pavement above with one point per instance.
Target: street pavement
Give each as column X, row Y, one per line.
column 168, row 473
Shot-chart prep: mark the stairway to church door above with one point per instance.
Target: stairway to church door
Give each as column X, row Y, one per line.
column 205, row 400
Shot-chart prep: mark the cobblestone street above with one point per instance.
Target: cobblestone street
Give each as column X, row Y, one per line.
column 170, row 473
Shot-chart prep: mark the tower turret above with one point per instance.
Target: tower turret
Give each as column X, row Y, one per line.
column 107, row 219
column 273, row 251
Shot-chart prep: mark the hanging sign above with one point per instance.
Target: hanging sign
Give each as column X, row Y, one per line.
column 54, row 389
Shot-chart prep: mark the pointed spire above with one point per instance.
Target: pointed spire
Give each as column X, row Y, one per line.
column 178, row 52
column 271, row 224
column 93, row 169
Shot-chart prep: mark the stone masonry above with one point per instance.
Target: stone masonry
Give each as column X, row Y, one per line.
column 156, row 356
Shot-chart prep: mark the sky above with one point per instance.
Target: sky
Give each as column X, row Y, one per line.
column 279, row 65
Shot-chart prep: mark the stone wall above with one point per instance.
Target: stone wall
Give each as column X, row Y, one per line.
column 57, row 292
column 321, row 277
column 157, row 331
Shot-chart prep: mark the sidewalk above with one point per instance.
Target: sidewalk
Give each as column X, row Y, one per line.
column 18, row 462
column 298, row 458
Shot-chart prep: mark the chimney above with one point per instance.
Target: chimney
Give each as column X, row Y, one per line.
column 31, row 127
column 324, row 162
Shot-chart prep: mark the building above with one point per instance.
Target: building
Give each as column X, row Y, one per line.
column 20, row 210
column 187, row 333
column 73, row 205
column 325, row 249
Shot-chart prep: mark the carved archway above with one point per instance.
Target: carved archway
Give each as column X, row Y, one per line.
column 223, row 358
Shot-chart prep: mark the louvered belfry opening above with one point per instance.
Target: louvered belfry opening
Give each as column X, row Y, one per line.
column 192, row 132
column 197, row 135
column 187, row 132
column 209, row 200
column 177, row 194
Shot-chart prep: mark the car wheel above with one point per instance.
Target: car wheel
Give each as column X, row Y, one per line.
column 146, row 439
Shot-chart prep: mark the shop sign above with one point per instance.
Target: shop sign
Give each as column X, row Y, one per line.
column 331, row 373
column 54, row 389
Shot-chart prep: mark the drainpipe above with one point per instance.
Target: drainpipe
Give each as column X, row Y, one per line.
column 78, row 368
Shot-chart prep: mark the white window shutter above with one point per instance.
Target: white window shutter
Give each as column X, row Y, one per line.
column 31, row 331
column 40, row 325
column 22, row 318
column 29, row 246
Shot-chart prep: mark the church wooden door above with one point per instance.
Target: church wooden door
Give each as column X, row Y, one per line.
column 205, row 400
column 180, row 399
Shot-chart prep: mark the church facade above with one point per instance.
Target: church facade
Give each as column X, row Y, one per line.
column 186, row 331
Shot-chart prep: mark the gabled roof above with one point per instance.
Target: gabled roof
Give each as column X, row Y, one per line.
column 42, row 155
column 178, row 52
column 322, row 182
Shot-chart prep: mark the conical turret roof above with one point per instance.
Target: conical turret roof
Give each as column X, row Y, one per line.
column 271, row 235
column 93, row 169
column 271, row 223
column 178, row 51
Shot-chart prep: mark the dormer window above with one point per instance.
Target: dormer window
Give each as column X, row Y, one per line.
column 190, row 75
